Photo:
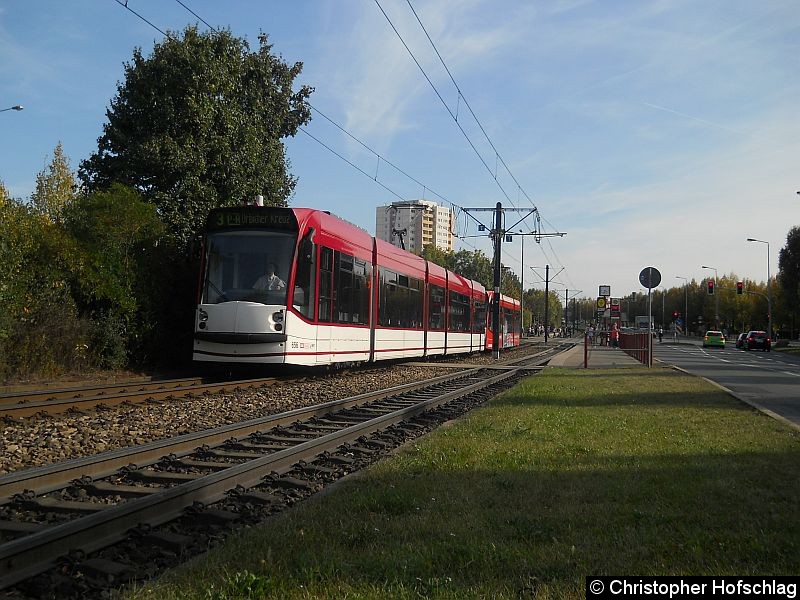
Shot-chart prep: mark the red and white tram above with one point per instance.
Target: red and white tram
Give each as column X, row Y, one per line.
column 337, row 295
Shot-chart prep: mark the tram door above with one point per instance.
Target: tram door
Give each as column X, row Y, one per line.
column 325, row 306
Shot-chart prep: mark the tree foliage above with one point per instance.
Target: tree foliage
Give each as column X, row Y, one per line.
column 56, row 187
column 198, row 124
column 39, row 325
column 116, row 236
column 789, row 267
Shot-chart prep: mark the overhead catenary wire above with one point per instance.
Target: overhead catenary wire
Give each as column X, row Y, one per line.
column 461, row 96
column 124, row 4
column 442, row 100
column 454, row 116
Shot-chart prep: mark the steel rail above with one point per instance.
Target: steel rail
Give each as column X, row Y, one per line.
column 26, row 557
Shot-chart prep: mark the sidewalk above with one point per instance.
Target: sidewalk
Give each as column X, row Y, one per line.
column 599, row 357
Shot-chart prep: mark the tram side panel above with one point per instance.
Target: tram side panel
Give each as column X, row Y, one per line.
column 343, row 272
column 479, row 307
column 436, row 310
column 459, row 317
column 399, row 326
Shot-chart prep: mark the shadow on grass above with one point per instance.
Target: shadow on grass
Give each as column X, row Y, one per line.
column 538, row 530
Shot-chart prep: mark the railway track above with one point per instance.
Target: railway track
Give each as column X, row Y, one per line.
column 167, row 495
column 28, row 404
column 81, row 399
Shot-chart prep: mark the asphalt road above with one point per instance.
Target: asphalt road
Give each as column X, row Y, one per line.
column 768, row 379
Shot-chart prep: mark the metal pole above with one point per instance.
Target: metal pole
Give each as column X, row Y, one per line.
column 649, row 326
column 566, row 310
column 769, row 288
column 546, row 299
column 522, row 282
column 498, row 225
column 769, row 297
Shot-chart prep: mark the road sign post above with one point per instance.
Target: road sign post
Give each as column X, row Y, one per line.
column 650, row 277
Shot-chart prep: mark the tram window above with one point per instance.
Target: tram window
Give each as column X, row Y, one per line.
column 400, row 300
column 436, row 308
column 361, row 278
column 388, row 287
column 352, row 291
column 415, row 303
column 325, row 287
column 237, row 259
column 479, row 322
column 459, row 312
column 305, row 278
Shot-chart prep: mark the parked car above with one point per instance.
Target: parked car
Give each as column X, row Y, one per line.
column 740, row 340
column 756, row 340
column 714, row 338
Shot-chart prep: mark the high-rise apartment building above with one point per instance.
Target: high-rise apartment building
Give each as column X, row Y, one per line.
column 415, row 224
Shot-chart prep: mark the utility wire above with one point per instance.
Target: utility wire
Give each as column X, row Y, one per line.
column 461, row 96
column 196, row 15
column 360, row 170
column 124, row 4
column 452, row 115
column 467, row 104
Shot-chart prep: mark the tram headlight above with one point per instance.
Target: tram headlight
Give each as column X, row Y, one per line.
column 277, row 317
column 203, row 316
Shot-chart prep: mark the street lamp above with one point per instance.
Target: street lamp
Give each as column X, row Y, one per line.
column 716, row 297
column 15, row 107
column 769, row 288
column 686, row 306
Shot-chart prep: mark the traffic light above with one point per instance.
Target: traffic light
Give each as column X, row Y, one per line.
column 710, row 287
column 740, row 287
column 675, row 314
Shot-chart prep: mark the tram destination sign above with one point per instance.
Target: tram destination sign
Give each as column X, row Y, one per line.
column 232, row 217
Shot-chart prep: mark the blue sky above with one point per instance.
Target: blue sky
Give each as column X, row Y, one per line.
column 654, row 133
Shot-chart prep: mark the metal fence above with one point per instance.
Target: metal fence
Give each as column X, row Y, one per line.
column 639, row 346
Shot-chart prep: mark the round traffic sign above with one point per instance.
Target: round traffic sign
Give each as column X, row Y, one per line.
column 650, row 277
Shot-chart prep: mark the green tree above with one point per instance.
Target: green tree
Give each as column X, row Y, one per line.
column 474, row 265
column 117, row 236
column 5, row 197
column 40, row 329
column 198, row 124
column 55, row 187
column 789, row 266
column 443, row 258
column 789, row 280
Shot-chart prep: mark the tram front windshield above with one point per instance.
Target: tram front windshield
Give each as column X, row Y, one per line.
column 239, row 265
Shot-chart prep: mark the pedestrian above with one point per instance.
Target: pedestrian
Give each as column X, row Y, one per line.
column 660, row 334
column 615, row 335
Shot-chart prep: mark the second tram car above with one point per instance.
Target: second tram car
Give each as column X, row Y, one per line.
column 300, row 286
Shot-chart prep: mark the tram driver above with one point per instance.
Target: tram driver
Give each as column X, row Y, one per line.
column 270, row 281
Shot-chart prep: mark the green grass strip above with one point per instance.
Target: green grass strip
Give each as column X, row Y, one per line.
column 629, row 471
